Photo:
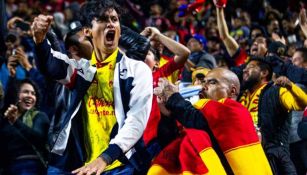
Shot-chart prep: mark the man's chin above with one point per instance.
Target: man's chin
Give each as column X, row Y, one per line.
column 202, row 95
column 110, row 49
column 247, row 85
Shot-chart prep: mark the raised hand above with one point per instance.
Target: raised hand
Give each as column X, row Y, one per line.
column 23, row 59
column 40, row 27
column 277, row 38
column 151, row 33
column 11, row 114
column 164, row 90
column 220, row 3
column 11, row 65
column 11, row 23
column 283, row 82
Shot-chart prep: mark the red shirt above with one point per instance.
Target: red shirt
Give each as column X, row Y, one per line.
column 240, row 57
column 154, row 118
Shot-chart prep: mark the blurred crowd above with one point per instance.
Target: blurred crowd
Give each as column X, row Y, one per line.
column 226, row 93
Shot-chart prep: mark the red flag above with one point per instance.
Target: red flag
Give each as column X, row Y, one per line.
column 190, row 154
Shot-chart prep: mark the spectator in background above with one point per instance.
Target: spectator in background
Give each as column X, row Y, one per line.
column 156, row 19
column 256, row 31
column 299, row 58
column 23, row 130
column 59, row 26
column 198, row 58
column 12, row 62
column 298, row 151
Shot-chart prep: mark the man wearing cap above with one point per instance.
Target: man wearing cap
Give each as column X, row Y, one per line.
column 198, row 58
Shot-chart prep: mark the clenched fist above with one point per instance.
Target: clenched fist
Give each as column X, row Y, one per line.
column 40, row 27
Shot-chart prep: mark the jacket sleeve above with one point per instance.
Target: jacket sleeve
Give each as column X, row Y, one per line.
column 295, row 74
column 58, row 66
column 293, row 99
column 281, row 68
column 185, row 113
column 137, row 116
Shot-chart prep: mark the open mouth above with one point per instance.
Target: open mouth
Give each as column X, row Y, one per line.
column 28, row 102
column 110, row 35
column 254, row 49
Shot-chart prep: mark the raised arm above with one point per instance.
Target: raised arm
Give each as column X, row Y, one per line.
column 181, row 52
column 291, row 97
column 54, row 64
column 231, row 45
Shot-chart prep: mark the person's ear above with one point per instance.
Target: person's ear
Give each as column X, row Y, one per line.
column 88, row 32
column 233, row 91
column 264, row 73
column 73, row 50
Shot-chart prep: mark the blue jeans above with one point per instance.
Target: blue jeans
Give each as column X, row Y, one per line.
column 56, row 171
column 123, row 170
column 25, row 167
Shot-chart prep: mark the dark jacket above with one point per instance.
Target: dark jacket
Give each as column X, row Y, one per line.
column 16, row 145
column 274, row 120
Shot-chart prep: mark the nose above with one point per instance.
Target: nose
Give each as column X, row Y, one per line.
column 205, row 86
column 245, row 70
column 110, row 23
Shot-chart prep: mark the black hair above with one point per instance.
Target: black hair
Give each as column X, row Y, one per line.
column 303, row 50
column 35, row 87
column 155, row 52
column 264, row 65
column 200, row 76
column 259, row 27
column 12, row 93
column 97, row 9
column 71, row 39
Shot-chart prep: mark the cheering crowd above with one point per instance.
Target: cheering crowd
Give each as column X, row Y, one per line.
column 153, row 87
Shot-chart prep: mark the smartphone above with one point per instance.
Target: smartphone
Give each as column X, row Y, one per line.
column 23, row 25
column 14, row 52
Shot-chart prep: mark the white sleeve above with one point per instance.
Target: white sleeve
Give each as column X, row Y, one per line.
column 140, row 107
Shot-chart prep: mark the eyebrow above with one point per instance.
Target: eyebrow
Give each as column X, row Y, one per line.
column 211, row 79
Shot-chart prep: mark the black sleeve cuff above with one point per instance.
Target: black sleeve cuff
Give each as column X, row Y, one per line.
column 42, row 43
column 112, row 153
column 173, row 101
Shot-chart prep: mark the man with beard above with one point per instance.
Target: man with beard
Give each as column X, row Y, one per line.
column 219, row 114
column 269, row 104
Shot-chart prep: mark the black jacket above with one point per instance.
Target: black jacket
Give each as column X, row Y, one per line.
column 274, row 120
